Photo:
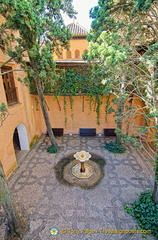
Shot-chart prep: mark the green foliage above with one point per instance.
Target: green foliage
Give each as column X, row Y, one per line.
column 41, row 31
column 114, row 147
column 33, row 141
column 3, row 108
column 108, row 48
column 79, row 81
column 52, row 149
column 150, row 56
column 141, row 5
column 85, row 55
column 128, row 139
column 156, row 168
column 3, row 112
column 129, row 70
column 37, row 104
column 145, row 211
column 72, row 82
column 65, row 105
column 112, row 15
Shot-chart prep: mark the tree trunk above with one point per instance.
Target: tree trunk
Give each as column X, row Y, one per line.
column 118, row 137
column 120, row 108
column 45, row 113
column 119, row 122
column 33, row 63
column 16, row 225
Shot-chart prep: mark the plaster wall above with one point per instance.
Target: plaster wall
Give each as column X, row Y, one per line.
column 80, row 44
column 27, row 114
column 21, row 114
column 82, row 115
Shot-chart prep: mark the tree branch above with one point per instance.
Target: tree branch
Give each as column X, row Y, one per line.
column 13, row 70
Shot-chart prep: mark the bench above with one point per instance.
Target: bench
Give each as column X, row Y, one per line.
column 109, row 132
column 57, row 131
column 87, row 132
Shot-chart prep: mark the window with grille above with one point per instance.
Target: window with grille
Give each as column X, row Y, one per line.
column 9, row 85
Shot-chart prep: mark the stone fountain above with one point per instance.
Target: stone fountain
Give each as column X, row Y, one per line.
column 82, row 171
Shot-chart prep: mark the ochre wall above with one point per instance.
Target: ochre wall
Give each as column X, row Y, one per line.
column 80, row 44
column 20, row 113
column 28, row 112
column 135, row 117
column 80, row 116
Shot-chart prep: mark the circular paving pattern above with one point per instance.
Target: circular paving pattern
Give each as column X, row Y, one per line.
column 68, row 171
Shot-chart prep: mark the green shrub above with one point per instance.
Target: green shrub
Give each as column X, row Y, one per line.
column 145, row 211
column 114, row 147
column 52, row 149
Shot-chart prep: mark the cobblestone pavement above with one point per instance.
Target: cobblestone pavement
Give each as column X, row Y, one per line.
column 49, row 204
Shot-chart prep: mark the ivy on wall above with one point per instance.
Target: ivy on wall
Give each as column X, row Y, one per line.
column 77, row 81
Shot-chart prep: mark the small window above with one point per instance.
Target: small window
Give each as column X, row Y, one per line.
column 68, row 54
column 77, row 53
column 9, row 85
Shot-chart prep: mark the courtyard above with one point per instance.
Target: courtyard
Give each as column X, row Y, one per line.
column 76, row 212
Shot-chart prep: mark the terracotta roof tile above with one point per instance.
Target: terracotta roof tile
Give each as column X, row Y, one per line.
column 77, row 30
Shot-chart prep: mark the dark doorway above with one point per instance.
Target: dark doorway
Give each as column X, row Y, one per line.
column 16, row 141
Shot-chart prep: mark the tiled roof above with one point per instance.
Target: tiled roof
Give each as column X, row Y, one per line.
column 77, row 30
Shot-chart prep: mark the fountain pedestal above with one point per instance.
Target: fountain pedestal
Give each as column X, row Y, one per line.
column 82, row 167
column 76, row 170
column 82, row 157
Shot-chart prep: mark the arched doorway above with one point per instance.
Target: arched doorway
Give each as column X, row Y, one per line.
column 16, row 141
column 20, row 138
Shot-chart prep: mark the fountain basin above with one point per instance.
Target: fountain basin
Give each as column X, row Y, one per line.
column 76, row 171
column 74, row 176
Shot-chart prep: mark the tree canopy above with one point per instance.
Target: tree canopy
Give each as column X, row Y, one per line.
column 36, row 29
column 126, row 15
column 124, row 40
column 30, row 32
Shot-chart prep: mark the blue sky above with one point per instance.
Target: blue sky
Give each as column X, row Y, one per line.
column 82, row 7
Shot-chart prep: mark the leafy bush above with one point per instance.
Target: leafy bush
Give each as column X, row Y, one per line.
column 145, row 211
column 114, row 147
column 52, row 149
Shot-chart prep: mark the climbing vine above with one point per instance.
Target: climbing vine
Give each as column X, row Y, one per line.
column 37, row 104
column 77, row 81
column 65, row 105
column 3, row 113
column 81, row 81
